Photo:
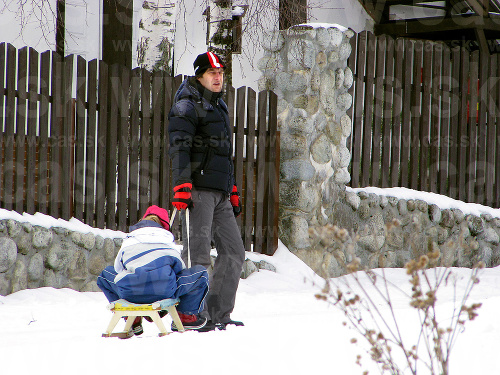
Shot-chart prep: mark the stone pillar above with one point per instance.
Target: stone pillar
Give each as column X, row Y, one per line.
column 307, row 68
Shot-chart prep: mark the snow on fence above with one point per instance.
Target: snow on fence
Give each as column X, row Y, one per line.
column 87, row 140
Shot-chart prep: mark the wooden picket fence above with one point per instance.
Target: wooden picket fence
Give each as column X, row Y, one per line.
column 426, row 117
column 86, row 140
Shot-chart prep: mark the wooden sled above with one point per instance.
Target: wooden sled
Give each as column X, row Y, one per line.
column 122, row 308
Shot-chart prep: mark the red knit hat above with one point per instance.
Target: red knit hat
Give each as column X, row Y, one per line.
column 161, row 213
column 205, row 61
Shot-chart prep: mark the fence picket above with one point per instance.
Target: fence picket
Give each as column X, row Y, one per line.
column 56, row 176
column 492, row 123
column 43, row 140
column 111, row 145
column 10, row 118
column 123, row 148
column 378, row 112
column 102, row 135
column 2, row 113
column 357, row 132
column 445, row 116
column 272, row 195
column 157, row 97
column 463, row 120
column 481, row 167
column 79, row 188
column 472, row 129
column 248, row 197
column 145, row 161
column 497, row 152
column 31, row 164
column 454, row 134
column 261, row 171
column 416, row 115
column 368, row 109
column 20, row 136
column 388, row 114
column 134, row 98
column 397, row 114
column 91, row 144
column 435, row 119
column 68, row 126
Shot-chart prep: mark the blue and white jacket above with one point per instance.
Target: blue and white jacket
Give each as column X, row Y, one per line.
column 147, row 263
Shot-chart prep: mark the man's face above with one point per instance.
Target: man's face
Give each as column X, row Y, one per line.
column 213, row 79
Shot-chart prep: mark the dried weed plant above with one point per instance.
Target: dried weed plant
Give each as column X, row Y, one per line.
column 367, row 299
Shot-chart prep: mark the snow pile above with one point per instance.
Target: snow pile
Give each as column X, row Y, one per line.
column 439, row 200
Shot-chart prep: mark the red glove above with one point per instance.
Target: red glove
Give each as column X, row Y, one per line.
column 182, row 196
column 235, row 201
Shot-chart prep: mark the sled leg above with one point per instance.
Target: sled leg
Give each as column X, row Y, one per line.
column 156, row 318
column 175, row 317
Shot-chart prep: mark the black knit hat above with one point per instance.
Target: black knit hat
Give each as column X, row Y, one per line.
column 205, row 61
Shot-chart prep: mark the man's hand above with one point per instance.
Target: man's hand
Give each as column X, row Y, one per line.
column 235, row 201
column 182, row 196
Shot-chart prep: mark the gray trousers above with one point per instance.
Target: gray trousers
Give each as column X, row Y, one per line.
column 211, row 217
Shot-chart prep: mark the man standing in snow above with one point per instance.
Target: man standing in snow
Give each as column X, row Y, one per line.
column 201, row 151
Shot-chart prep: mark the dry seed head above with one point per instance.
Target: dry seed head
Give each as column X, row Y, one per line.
column 423, row 262
column 480, row 265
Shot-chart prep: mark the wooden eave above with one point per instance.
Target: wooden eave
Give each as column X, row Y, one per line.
column 465, row 20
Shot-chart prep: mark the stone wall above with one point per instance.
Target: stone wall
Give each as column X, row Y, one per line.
column 32, row 256
column 307, row 68
column 388, row 232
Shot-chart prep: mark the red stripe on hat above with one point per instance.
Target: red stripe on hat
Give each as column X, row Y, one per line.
column 214, row 61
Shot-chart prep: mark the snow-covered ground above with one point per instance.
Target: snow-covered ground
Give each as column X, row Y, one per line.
column 287, row 330
column 50, row 331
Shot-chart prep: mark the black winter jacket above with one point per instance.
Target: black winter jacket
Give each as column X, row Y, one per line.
column 200, row 138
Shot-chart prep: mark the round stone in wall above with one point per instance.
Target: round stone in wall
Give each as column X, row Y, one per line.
column 344, row 51
column 299, row 81
column 14, row 228
column 42, row 237
column 339, row 78
column 36, row 267
column 334, row 56
column 348, row 78
column 8, row 253
column 59, row 256
column 321, row 150
column 327, row 92
column 344, row 156
column 297, row 169
column 344, row 101
column 336, row 36
column 345, row 125
column 321, row 60
column 19, row 277
column 323, row 37
column 342, row 176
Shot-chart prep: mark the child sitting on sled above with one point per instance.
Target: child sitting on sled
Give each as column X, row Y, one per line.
column 149, row 268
